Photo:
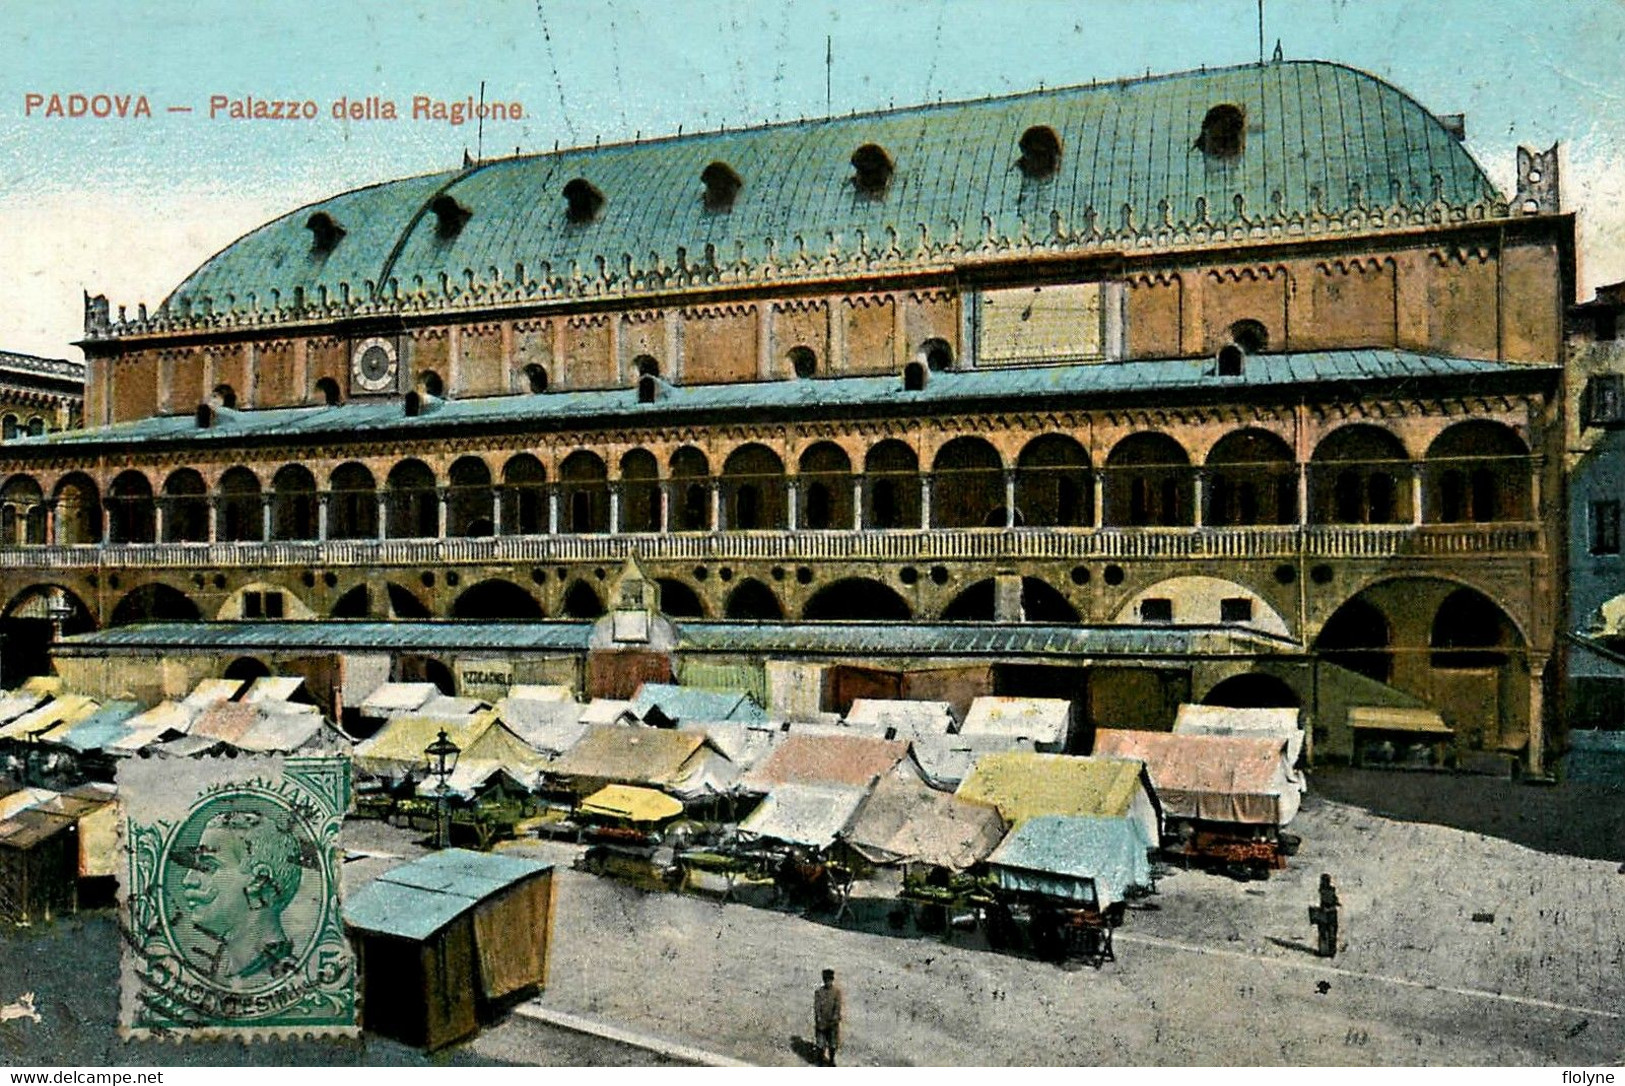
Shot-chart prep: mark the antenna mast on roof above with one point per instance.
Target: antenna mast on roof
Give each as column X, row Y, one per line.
column 829, row 63
column 479, row 139
column 1260, row 33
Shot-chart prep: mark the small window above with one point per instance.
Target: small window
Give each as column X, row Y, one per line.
column 645, row 366
column 537, row 376
column 328, row 390
column 1236, row 609
column 582, row 201
column 1603, row 401
column 431, row 384
column 913, row 377
column 1231, row 359
column 36, row 426
column 204, row 416
column 803, row 361
column 273, row 605
column 8, row 429
column 1040, row 151
column 325, row 232
column 1605, row 527
column 1250, row 335
column 872, row 169
column 938, row 355
column 253, row 605
column 648, row 385
column 449, row 216
column 722, row 185
column 225, row 396
column 1156, row 610
column 1224, row 132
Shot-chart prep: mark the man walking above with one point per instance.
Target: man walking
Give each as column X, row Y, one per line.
column 1324, row 917
column 827, row 1019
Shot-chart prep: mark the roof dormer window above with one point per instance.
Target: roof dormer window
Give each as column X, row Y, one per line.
column 872, row 169
column 722, row 184
column 1224, row 132
column 583, row 200
column 1040, row 151
column 325, row 232
column 450, row 216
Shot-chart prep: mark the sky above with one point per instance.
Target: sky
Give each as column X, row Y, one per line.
column 127, row 207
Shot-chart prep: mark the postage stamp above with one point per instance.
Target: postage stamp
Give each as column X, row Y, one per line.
column 230, row 898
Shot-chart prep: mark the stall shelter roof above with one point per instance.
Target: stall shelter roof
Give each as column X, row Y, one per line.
column 1023, row 785
column 66, row 709
column 1061, row 856
column 1043, row 720
column 812, row 815
column 902, row 718
column 631, row 803
column 630, row 754
column 946, row 760
column 904, row 820
column 854, row 760
column 416, row 900
column 397, row 698
column 1392, row 719
column 665, row 703
column 101, row 728
column 549, row 727
column 1214, row 778
column 1226, row 720
column 400, row 744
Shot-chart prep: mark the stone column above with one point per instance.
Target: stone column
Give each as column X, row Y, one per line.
column 382, row 500
column 716, row 505
column 496, row 511
column 1536, row 464
column 925, row 500
column 1099, row 482
column 265, row 518
column 1416, row 494
column 1198, row 493
column 665, row 507
column 158, row 510
column 552, row 509
column 442, row 496
column 1303, row 495
column 1009, row 499
column 322, row 498
column 214, row 519
column 1537, row 707
column 857, row 503
column 792, row 502
column 614, row 508
column 50, row 522
column 1007, row 597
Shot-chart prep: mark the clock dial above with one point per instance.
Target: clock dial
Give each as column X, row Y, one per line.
column 374, row 365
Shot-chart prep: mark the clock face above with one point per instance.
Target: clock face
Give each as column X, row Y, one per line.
column 374, row 365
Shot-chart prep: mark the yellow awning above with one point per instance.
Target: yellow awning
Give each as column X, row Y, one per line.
column 631, row 803
column 1382, row 718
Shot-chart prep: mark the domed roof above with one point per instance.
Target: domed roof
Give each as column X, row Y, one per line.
column 1274, row 142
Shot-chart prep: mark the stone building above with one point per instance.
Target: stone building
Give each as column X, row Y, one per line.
column 1241, row 386
column 39, row 395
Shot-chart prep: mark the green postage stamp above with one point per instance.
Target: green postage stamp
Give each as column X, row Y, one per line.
column 231, row 898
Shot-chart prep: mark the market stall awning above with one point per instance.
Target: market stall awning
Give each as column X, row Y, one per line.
column 1373, row 718
column 1078, row 859
column 631, row 803
column 812, row 815
column 904, row 820
column 1214, row 778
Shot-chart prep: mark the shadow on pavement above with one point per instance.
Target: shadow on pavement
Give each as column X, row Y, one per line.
column 1293, row 944
column 805, row 1049
column 1570, row 819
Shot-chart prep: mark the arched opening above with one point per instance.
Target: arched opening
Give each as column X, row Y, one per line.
column 1251, row 480
column 403, row 603
column 246, row 669
column 36, row 426
column 1053, row 486
column 1477, row 472
column 914, row 377
column 856, row 599
column 1253, row 690
column 31, row 623
column 468, row 502
column 1224, row 132
column 430, row 384
column 825, row 479
column 871, row 170
column 1250, row 335
column 154, row 603
column 1040, row 152
column 584, row 493
column 130, row 510
column 225, row 396
column 1148, row 482
column 1042, row 602
column 1359, row 474
column 967, row 485
column 22, row 505
column 691, row 490
column 413, row 668
column 803, row 362
column 328, row 391
column 753, row 601
column 937, row 355
column 891, row 490
column 678, row 599
column 355, row 604
column 974, row 603
column 294, row 505
column 536, row 377
column 753, row 489
column 242, row 514
column 352, row 505
column 640, row 492
column 722, row 184
column 581, row 600
column 186, row 507
column 8, row 428
column 524, row 496
column 497, row 600
column 78, row 511
column 1470, row 631
column 412, row 504
column 1357, row 637
column 645, row 365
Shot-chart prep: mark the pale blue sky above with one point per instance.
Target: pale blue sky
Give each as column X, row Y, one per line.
column 128, row 207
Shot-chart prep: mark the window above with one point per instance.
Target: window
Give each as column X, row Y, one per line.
column 328, row 390
column 253, row 605
column 803, row 361
column 582, row 200
column 431, row 385
column 1603, row 402
column 1230, row 360
column 1605, row 527
column 1250, row 335
column 938, row 355
column 872, row 170
column 1156, row 610
column 537, row 376
column 722, row 185
column 1236, row 609
column 36, row 426
column 325, row 232
column 449, row 216
column 913, row 377
column 10, row 428
column 273, row 605
column 1040, row 151
column 1224, row 132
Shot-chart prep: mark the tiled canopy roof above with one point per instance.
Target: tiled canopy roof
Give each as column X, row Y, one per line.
column 1319, row 140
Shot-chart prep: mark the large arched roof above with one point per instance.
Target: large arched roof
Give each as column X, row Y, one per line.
column 1319, row 138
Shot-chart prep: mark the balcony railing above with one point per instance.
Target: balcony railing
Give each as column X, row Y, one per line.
column 930, row 545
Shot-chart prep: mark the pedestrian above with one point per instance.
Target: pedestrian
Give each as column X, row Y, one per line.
column 827, row 1019
column 1324, row 917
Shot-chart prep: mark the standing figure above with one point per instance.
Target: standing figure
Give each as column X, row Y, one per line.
column 827, row 1019
column 1324, row 917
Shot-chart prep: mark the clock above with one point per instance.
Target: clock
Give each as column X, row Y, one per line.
column 374, row 365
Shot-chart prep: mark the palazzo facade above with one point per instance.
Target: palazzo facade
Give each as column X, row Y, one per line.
column 1256, row 352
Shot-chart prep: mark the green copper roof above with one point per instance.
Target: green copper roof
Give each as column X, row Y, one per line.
column 1320, row 139
column 1068, row 385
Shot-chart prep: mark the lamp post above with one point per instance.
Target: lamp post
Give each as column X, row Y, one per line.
column 442, row 761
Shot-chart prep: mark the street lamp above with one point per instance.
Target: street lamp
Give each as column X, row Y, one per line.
column 442, row 761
